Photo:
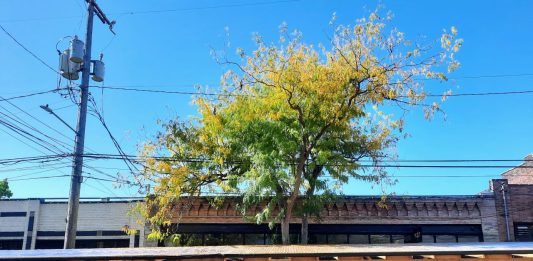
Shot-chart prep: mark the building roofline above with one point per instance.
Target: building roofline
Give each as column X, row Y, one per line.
column 339, row 198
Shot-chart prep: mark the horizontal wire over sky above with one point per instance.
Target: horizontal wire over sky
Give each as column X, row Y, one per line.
column 47, row 158
column 159, row 11
column 230, row 94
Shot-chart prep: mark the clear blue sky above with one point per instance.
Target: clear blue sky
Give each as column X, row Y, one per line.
column 171, row 51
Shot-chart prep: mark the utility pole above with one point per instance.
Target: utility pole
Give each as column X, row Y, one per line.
column 76, row 179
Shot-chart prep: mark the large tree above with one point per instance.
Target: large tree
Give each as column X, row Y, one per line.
column 293, row 119
column 5, row 192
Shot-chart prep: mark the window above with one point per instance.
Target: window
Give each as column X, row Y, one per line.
column 428, row 239
column 213, row 239
column 379, row 239
column 337, row 239
column 254, row 239
column 523, row 232
column 318, row 239
column 233, row 239
column 358, row 239
column 11, row 244
column 467, row 239
column 445, row 239
column 188, row 240
column 398, row 239
column 273, row 239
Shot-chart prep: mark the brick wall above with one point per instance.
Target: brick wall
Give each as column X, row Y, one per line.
column 519, row 200
column 521, row 175
column 457, row 210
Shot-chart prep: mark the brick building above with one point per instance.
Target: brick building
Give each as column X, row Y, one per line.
column 503, row 213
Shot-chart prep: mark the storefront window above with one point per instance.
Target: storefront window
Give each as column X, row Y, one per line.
column 379, row 239
column 428, row 239
column 398, row 239
column 254, row 239
column 233, row 239
column 318, row 239
column 337, row 239
column 446, row 239
column 467, row 239
column 358, row 239
column 213, row 239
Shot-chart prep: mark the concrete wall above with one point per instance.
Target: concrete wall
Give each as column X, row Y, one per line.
column 106, row 219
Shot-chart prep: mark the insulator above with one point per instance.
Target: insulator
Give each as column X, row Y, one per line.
column 76, row 50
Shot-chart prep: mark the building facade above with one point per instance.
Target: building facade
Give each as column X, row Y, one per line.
column 503, row 213
column 40, row 224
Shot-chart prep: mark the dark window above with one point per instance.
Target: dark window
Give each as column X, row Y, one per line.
column 136, row 240
column 358, row 239
column 318, row 239
column 31, row 220
column 188, row 240
column 273, row 239
column 11, row 244
column 379, row 239
column 233, row 239
column 428, row 239
column 467, row 239
column 49, row 244
column 12, row 214
column 337, row 239
column 446, row 239
column 254, row 239
column 398, row 239
column 113, row 243
column 84, row 243
column 294, row 238
column 523, row 232
column 214, row 239
column 28, row 242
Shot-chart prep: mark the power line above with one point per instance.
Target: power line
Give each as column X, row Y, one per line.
column 27, row 50
column 157, row 11
column 100, row 117
column 118, row 156
column 205, row 7
column 164, row 91
column 481, row 93
column 35, row 178
column 29, row 95
column 492, row 76
column 235, row 95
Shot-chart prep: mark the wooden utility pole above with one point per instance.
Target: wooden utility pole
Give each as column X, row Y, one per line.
column 77, row 166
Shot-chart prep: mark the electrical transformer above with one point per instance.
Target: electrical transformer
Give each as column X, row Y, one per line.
column 98, row 71
column 76, row 50
column 67, row 68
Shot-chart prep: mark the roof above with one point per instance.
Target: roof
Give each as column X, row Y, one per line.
column 273, row 251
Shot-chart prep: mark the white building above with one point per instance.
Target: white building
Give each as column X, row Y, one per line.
column 40, row 223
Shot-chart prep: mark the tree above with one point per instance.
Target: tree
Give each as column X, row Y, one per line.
column 293, row 118
column 5, row 192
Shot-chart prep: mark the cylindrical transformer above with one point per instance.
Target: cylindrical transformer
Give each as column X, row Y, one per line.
column 76, row 50
column 98, row 71
column 67, row 68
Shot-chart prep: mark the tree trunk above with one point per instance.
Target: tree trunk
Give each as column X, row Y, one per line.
column 285, row 236
column 305, row 229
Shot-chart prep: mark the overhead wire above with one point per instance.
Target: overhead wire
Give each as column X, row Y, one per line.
column 29, row 95
column 28, row 50
column 235, row 94
column 156, row 11
column 36, row 178
column 30, row 127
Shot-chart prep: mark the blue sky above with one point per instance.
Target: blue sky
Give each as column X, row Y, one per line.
column 171, row 51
